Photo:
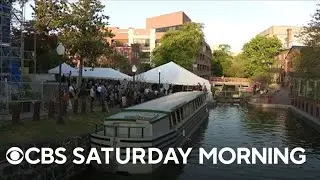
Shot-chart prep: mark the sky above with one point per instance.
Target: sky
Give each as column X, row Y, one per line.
column 225, row 21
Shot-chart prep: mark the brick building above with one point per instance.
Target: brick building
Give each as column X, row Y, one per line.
column 131, row 52
column 288, row 35
column 149, row 38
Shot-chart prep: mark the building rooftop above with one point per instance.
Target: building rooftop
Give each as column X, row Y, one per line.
column 168, row 14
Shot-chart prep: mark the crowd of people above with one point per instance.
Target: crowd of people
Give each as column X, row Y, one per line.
column 122, row 94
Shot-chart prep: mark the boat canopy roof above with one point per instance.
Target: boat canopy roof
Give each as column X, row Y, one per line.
column 136, row 115
column 166, row 104
column 155, row 109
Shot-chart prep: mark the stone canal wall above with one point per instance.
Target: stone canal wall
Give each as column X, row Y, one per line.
column 307, row 113
column 49, row 172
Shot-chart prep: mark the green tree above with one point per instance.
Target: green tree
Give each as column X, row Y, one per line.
column 225, row 48
column 221, row 60
column 260, row 52
column 180, row 46
column 310, row 34
column 238, row 67
column 216, row 68
column 44, row 43
column 81, row 27
column 307, row 64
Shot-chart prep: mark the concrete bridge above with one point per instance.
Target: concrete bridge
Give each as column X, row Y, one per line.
column 219, row 81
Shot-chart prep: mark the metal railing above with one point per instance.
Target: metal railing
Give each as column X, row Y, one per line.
column 229, row 79
column 232, row 94
column 27, row 92
column 145, row 48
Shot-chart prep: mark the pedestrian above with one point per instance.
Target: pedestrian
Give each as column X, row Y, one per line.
column 92, row 95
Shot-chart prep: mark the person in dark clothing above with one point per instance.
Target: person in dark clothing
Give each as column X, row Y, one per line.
column 254, row 89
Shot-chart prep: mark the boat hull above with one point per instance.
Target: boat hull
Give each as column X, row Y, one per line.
column 172, row 139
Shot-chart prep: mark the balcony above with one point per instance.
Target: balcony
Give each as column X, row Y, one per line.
column 145, row 48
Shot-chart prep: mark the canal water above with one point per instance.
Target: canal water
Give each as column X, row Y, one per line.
column 233, row 126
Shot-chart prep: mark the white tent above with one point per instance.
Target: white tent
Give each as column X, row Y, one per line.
column 172, row 73
column 65, row 69
column 89, row 72
column 103, row 73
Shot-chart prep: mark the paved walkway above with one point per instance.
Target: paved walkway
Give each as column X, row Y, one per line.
column 281, row 97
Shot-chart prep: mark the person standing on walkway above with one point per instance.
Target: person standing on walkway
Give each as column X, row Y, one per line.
column 98, row 95
column 254, row 89
column 92, row 94
column 72, row 93
column 103, row 95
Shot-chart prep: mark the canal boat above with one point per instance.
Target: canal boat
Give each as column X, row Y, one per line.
column 166, row 122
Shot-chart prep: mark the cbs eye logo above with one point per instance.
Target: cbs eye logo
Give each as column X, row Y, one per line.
column 14, row 155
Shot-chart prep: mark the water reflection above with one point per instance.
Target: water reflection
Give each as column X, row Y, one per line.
column 232, row 126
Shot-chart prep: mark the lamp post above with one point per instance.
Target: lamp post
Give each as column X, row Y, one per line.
column 159, row 78
column 60, row 51
column 134, row 70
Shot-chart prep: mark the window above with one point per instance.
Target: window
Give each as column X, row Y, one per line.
column 165, row 29
column 170, row 122
column 184, row 110
column 135, row 132
column 174, row 119
column 147, row 42
column 178, row 115
column 123, row 132
column 144, row 42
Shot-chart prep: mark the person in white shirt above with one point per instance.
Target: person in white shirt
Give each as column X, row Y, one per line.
column 72, row 94
column 124, row 101
column 98, row 93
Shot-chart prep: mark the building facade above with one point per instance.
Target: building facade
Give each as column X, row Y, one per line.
column 288, row 35
column 131, row 52
column 150, row 37
column 202, row 65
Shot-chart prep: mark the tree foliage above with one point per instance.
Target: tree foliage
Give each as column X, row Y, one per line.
column 307, row 63
column 311, row 33
column 223, row 64
column 115, row 61
column 80, row 25
column 45, row 45
column 260, row 52
column 225, row 48
column 180, row 46
column 238, row 67
column 221, row 60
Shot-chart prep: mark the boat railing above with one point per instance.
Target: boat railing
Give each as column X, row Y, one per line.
column 121, row 131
